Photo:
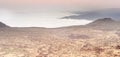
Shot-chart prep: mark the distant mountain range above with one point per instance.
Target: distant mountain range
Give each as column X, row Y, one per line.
column 96, row 14
column 105, row 23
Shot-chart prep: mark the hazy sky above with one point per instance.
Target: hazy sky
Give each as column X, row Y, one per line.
column 47, row 13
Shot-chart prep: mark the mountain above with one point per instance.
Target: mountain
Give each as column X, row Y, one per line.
column 2, row 25
column 95, row 14
column 102, row 22
column 105, row 23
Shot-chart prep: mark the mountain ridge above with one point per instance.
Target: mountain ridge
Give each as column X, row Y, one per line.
column 105, row 23
column 2, row 25
column 95, row 14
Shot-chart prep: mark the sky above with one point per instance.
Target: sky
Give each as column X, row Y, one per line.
column 48, row 13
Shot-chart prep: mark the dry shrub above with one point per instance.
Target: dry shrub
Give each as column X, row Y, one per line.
column 117, row 47
column 98, row 50
column 87, row 47
column 110, row 52
column 78, row 36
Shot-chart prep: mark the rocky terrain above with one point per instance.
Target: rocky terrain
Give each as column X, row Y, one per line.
column 100, row 38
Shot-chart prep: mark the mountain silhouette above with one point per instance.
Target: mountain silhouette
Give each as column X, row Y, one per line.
column 105, row 23
column 95, row 14
column 2, row 25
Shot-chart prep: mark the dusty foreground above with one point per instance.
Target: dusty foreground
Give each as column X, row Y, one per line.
column 62, row 42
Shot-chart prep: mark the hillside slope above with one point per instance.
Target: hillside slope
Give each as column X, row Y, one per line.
column 75, row 41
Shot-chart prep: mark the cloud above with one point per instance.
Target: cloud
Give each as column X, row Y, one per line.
column 96, row 14
column 36, row 18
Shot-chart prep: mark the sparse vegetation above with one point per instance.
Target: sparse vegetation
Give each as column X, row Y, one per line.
column 61, row 42
column 78, row 36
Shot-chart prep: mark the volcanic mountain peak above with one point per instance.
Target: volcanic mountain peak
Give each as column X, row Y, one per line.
column 105, row 20
column 105, row 23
